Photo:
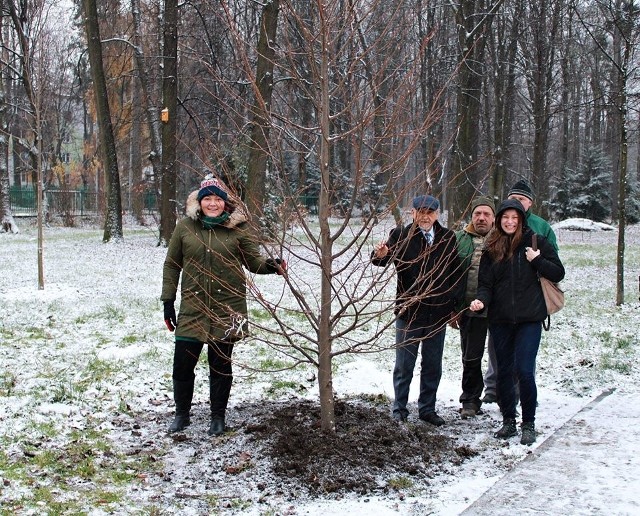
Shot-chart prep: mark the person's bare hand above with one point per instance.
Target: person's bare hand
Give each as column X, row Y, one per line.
column 380, row 250
column 476, row 305
column 530, row 253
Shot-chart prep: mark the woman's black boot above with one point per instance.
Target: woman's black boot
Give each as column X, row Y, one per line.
column 508, row 429
column 182, row 394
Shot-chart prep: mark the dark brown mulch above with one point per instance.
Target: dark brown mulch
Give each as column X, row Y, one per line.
column 368, row 452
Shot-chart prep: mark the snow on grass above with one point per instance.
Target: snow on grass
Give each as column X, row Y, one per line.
column 88, row 358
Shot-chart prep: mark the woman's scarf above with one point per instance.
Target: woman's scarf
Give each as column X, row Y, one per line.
column 212, row 222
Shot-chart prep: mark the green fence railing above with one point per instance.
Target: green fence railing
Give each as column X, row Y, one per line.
column 22, row 201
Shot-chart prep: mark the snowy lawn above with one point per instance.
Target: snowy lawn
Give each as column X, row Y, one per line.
column 85, row 388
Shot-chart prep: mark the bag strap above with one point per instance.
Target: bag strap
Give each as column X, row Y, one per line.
column 534, row 245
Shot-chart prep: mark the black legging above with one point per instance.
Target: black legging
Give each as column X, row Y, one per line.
column 186, row 355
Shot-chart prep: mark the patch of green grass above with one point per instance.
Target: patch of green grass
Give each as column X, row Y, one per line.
column 237, row 504
column 614, row 362
column 122, row 476
column 44, row 496
column 106, row 497
column 283, row 385
column 6, row 334
column 11, row 470
column 624, row 343
column 7, row 383
column 62, row 392
column 578, row 255
column 113, row 313
column 605, row 337
column 47, row 428
column 123, row 405
column 273, row 364
column 98, row 369
column 33, row 332
column 259, row 314
column 83, row 319
column 400, row 483
column 130, row 339
column 380, row 400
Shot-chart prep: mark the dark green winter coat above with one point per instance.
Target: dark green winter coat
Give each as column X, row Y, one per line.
column 209, row 263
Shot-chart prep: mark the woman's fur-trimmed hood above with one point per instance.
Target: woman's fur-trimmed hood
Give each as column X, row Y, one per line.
column 236, row 208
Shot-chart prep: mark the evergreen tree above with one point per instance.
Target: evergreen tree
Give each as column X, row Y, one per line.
column 591, row 197
column 558, row 205
column 633, row 203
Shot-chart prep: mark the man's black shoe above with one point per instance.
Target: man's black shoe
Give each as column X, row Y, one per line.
column 400, row 418
column 489, row 397
column 432, row 418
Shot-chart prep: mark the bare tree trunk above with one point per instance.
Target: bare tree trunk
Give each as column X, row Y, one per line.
column 113, row 218
column 540, row 57
column 40, row 206
column 474, row 20
column 382, row 173
column 504, row 100
column 169, row 127
column 325, row 376
column 135, row 153
column 7, row 222
column 148, row 101
column 625, row 27
column 261, row 122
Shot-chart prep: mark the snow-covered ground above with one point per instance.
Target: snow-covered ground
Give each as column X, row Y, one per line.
column 85, row 387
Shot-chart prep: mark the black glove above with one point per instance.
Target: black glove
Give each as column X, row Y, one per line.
column 170, row 315
column 277, row 265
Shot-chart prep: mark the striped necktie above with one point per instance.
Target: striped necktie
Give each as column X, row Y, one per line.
column 428, row 236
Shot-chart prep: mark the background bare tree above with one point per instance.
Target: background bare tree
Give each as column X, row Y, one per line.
column 622, row 17
column 170, row 125
column 113, row 218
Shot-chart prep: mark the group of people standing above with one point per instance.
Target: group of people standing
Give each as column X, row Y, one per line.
column 482, row 280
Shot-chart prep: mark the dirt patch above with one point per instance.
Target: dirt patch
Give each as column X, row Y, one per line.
column 369, row 451
column 275, row 455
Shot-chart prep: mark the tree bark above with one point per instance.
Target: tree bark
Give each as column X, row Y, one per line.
column 170, row 102
column 113, row 216
column 325, row 375
column 7, row 222
column 260, row 111
column 148, row 99
column 504, row 101
column 540, row 52
column 474, row 20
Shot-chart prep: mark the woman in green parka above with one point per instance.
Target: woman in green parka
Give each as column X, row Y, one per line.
column 207, row 254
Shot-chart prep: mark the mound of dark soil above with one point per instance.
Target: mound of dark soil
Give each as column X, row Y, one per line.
column 368, row 452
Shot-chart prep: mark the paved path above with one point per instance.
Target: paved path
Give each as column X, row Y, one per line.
column 591, row 465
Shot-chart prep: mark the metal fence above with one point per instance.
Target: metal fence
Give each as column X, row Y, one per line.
column 70, row 202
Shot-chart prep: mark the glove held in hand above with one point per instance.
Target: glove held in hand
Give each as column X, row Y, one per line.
column 277, row 265
column 169, row 315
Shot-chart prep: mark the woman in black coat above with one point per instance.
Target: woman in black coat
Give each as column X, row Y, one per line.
column 509, row 287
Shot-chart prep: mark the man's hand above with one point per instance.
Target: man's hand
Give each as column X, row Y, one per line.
column 381, row 250
column 170, row 315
